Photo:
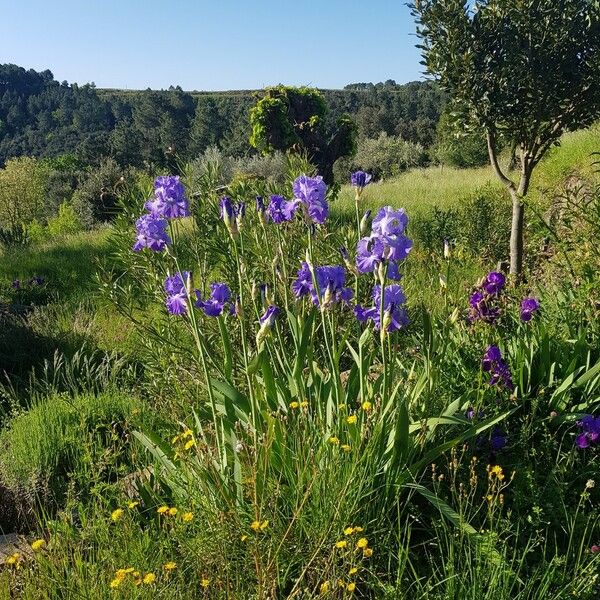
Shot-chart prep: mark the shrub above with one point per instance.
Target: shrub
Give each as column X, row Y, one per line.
column 22, row 195
column 65, row 222
column 96, row 198
column 61, row 441
column 384, row 156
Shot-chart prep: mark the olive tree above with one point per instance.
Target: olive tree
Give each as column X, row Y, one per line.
column 523, row 70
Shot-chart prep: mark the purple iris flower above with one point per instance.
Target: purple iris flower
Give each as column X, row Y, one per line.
column 590, row 431
column 151, row 233
column 494, row 283
column 360, row 179
column 528, row 307
column 331, row 282
column 281, row 210
column 16, row 284
column 394, row 313
column 389, row 221
column 214, row 305
column 169, row 198
column 226, row 209
column 175, row 286
column 482, row 308
column 493, row 364
column 269, row 316
column 498, row 439
column 369, row 253
column 311, row 192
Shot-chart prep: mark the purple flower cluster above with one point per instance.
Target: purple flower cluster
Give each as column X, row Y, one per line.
column 331, row 282
column 387, row 243
column 493, row 364
column 311, row 192
column 151, row 233
column 214, row 305
column 360, row 179
column 169, row 202
column 394, row 313
column 484, row 301
column 528, row 307
column 34, row 281
column 169, row 198
column 590, row 431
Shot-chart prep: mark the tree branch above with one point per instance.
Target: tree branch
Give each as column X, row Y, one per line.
column 491, row 143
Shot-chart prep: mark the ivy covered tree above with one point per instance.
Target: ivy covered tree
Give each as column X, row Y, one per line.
column 526, row 70
column 290, row 118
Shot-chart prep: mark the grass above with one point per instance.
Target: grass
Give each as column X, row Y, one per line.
column 419, row 190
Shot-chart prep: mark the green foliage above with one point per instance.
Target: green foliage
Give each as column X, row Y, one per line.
column 61, row 441
column 383, row 157
column 287, row 118
column 22, row 196
column 65, row 222
column 459, row 147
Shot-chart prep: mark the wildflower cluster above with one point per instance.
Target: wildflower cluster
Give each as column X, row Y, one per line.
column 359, row 545
column 183, row 442
column 485, row 299
column 493, row 364
column 35, row 281
column 134, row 576
column 330, row 285
column 169, row 202
column 386, row 246
column 590, row 432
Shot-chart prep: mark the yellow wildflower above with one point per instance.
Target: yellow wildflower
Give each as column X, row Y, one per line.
column 358, row 529
column 170, row 566
column 345, row 447
column 351, row 419
column 13, row 559
column 341, row 544
column 205, row 582
column 189, row 444
column 172, row 511
column 294, row 404
column 116, row 514
column 255, row 526
column 149, row 578
column 187, row 433
column 244, row 538
column 132, row 505
column 351, row 587
column 161, row 510
column 304, row 404
column 37, row 545
column 362, row 543
column 175, row 440
column 324, row 588
column 368, row 552
column 349, row 531
column 367, row 406
column 264, row 524
column 116, row 582
column 333, row 440
column 496, row 471
column 187, row 516
column 353, row 571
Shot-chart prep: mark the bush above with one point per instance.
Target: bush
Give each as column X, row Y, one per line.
column 65, row 222
column 22, row 196
column 63, row 441
column 384, row 156
column 481, row 225
column 96, row 198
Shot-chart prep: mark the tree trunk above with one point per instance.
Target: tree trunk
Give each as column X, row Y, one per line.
column 516, row 234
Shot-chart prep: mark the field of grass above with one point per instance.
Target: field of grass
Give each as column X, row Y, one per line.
column 201, row 455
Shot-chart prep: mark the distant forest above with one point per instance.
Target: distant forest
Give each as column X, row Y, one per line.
column 42, row 117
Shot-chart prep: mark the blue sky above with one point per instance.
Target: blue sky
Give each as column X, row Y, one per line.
column 218, row 45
